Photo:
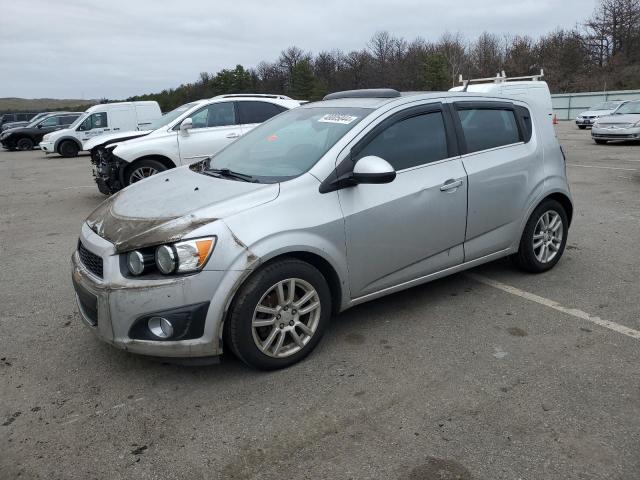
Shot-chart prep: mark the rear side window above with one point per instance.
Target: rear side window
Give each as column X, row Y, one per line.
column 410, row 142
column 68, row 119
column 50, row 122
column 486, row 128
column 258, row 112
column 525, row 115
column 221, row 114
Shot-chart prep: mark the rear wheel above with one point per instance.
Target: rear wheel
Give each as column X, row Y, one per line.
column 279, row 315
column 143, row 169
column 24, row 143
column 544, row 238
column 600, row 142
column 68, row 149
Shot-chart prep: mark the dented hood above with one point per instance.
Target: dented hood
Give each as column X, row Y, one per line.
column 166, row 207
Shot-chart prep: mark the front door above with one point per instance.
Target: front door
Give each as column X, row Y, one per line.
column 94, row 125
column 415, row 225
column 214, row 127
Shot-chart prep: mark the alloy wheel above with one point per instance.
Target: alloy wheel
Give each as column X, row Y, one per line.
column 286, row 318
column 547, row 236
column 141, row 173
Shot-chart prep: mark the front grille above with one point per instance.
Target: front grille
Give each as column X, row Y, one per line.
column 90, row 260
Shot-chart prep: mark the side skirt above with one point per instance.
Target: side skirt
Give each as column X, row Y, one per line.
column 432, row 276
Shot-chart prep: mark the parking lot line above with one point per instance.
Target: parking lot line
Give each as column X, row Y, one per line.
column 616, row 327
column 605, row 168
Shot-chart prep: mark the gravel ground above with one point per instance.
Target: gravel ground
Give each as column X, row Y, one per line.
column 456, row 379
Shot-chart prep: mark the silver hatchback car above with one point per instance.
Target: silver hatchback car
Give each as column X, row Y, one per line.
column 319, row 209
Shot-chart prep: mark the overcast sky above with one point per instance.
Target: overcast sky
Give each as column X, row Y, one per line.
column 119, row 48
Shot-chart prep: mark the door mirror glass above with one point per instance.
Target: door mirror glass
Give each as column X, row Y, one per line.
column 186, row 124
column 39, row 125
column 372, row 169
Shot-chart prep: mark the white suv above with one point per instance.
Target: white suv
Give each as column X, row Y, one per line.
column 199, row 131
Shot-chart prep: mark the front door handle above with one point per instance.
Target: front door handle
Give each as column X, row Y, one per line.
column 233, row 135
column 450, row 184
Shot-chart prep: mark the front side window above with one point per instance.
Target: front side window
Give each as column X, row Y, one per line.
column 288, row 145
column 50, row 122
column 486, row 128
column 410, row 142
column 257, row 112
column 95, row 120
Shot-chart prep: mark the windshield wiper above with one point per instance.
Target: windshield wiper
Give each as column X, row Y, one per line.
column 225, row 172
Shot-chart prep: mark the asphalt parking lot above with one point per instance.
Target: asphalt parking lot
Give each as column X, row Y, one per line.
column 490, row 375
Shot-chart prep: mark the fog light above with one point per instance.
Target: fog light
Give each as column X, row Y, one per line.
column 160, row 327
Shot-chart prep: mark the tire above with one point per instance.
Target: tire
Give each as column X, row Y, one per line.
column 24, row 144
column 278, row 347
column 582, row 127
column 531, row 258
column 68, row 149
column 142, row 169
column 600, row 142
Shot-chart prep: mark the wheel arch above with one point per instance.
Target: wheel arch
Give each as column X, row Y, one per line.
column 563, row 200
column 59, row 141
column 166, row 161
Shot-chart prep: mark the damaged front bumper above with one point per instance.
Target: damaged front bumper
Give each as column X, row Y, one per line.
column 116, row 307
column 107, row 170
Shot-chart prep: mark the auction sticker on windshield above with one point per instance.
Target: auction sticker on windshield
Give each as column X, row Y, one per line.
column 337, row 118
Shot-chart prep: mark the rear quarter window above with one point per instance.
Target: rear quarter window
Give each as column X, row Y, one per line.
column 486, row 128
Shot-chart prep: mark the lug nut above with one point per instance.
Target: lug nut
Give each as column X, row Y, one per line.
column 278, row 316
column 282, row 325
column 293, row 312
column 291, row 323
column 285, row 308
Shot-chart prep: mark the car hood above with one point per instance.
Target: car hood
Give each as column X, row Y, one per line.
column 166, row 207
column 51, row 136
column 114, row 137
column 624, row 118
column 595, row 113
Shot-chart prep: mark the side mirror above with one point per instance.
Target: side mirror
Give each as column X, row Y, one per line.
column 186, row 124
column 372, row 169
column 39, row 125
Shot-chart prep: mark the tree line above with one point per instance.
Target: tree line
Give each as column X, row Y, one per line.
column 602, row 53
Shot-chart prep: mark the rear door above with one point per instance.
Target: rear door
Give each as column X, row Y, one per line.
column 415, row 225
column 214, row 126
column 505, row 172
column 252, row 113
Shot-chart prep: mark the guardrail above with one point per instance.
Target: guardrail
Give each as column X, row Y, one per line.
column 567, row 106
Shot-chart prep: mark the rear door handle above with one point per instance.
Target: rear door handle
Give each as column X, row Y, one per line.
column 233, row 135
column 450, row 184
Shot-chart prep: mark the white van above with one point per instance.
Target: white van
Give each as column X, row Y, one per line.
column 100, row 120
column 529, row 89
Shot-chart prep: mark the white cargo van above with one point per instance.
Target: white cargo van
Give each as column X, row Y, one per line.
column 100, row 120
column 530, row 89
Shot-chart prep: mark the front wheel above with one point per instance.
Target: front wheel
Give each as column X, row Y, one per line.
column 143, row 169
column 24, row 144
column 279, row 315
column 68, row 149
column 544, row 238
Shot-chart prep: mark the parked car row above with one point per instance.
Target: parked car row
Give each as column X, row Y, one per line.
column 258, row 245
column 612, row 121
column 188, row 134
column 15, row 118
column 26, row 137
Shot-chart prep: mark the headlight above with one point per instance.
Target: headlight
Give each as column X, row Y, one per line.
column 637, row 124
column 138, row 262
column 181, row 257
column 46, row 137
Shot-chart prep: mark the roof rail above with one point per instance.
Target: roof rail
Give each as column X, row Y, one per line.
column 364, row 93
column 247, row 95
column 501, row 77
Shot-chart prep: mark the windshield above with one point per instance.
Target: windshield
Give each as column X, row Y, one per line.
column 170, row 116
column 606, row 106
column 289, row 144
column 36, row 120
column 629, row 107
